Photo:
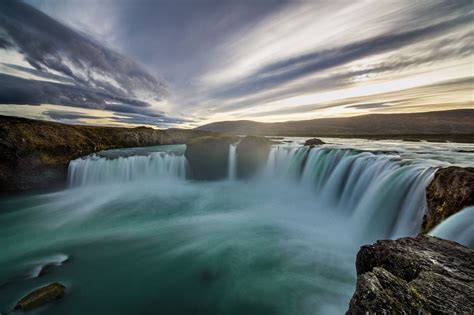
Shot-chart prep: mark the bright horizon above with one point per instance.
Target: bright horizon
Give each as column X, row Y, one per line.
column 184, row 64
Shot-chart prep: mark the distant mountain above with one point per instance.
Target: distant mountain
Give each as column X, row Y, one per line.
column 443, row 123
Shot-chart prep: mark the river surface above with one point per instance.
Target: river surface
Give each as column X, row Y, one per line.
column 133, row 235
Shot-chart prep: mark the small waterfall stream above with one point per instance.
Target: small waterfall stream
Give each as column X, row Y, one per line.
column 232, row 163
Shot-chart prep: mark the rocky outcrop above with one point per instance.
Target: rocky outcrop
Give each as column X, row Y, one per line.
column 41, row 296
column 423, row 275
column 313, row 142
column 252, row 154
column 208, row 156
column 451, row 190
column 35, row 154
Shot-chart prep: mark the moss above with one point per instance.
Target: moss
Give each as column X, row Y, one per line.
column 416, row 294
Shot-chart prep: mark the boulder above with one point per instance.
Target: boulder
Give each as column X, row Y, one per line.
column 41, row 296
column 451, row 190
column 314, row 141
column 208, row 156
column 252, row 155
column 422, row 275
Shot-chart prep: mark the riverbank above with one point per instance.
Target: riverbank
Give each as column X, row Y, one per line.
column 35, row 154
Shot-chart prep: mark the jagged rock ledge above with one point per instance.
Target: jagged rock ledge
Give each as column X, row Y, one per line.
column 450, row 191
column 35, row 154
column 422, row 275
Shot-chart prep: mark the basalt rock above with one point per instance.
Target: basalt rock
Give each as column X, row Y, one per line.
column 451, row 190
column 208, row 156
column 423, row 275
column 252, row 154
column 314, row 141
column 35, row 154
column 41, row 296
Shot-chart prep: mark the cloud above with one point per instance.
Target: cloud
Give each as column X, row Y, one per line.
column 281, row 72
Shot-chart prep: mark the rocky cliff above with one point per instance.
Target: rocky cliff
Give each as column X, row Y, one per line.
column 423, row 275
column 451, row 190
column 35, row 154
column 208, row 156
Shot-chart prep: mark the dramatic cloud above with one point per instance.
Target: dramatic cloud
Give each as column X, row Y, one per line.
column 268, row 60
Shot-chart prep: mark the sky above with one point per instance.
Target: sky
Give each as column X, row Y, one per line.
column 184, row 63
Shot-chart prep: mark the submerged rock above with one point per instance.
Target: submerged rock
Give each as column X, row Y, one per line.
column 252, row 154
column 314, row 141
column 208, row 156
column 451, row 190
column 41, row 296
column 414, row 276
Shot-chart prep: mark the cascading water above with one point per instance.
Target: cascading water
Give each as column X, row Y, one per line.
column 458, row 227
column 283, row 242
column 382, row 193
column 94, row 170
column 232, row 162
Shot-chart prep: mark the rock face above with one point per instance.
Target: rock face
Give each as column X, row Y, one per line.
column 423, row 275
column 35, row 154
column 252, row 154
column 208, row 156
column 451, row 190
column 41, row 296
column 314, row 141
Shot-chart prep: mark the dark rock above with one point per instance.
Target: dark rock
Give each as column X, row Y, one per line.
column 314, row 141
column 41, row 296
column 35, row 154
column 423, row 275
column 451, row 190
column 208, row 156
column 252, row 154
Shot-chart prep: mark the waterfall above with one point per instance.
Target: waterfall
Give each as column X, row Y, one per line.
column 381, row 193
column 458, row 227
column 232, row 162
column 100, row 170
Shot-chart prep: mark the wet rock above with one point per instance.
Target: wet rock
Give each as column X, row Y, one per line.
column 451, row 190
column 252, row 154
column 314, row 141
column 208, row 156
column 41, row 296
column 423, row 275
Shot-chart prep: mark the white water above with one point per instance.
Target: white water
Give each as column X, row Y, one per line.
column 93, row 170
column 232, row 163
column 458, row 227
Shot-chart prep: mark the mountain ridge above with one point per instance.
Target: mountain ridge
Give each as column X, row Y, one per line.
column 449, row 122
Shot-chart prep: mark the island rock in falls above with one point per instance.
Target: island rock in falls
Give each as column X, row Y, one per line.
column 451, row 190
column 422, row 275
column 252, row 154
column 35, row 154
column 208, row 156
column 313, row 142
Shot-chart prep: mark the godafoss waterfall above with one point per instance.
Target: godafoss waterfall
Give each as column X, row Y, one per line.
column 134, row 233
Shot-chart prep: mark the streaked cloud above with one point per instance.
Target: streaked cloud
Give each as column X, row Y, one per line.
column 185, row 63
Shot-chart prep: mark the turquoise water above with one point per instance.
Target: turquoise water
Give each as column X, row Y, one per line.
column 282, row 243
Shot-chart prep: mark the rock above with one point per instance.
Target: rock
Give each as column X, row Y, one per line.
column 35, row 154
column 208, row 156
column 314, row 141
column 41, row 296
column 252, row 154
column 423, row 275
column 451, row 190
